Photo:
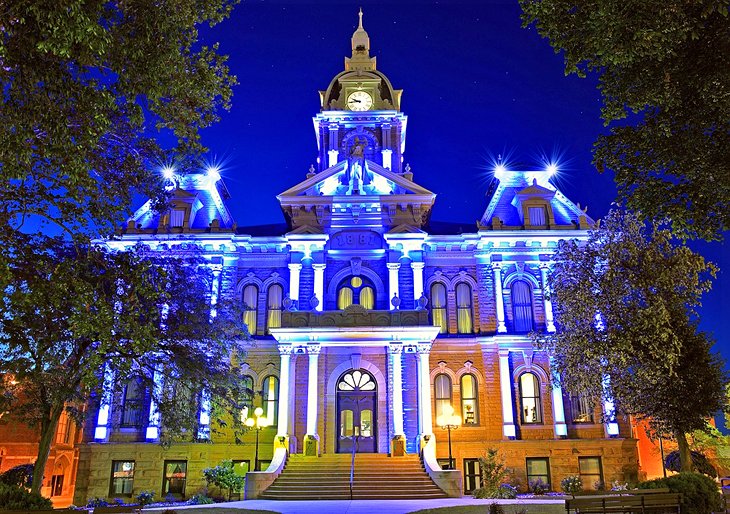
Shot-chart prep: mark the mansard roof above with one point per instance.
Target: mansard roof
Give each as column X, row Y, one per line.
column 513, row 190
column 201, row 197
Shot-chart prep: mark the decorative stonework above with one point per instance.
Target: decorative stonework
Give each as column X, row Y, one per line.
column 355, row 316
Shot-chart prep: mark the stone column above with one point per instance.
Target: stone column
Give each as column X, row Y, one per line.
column 549, row 322
column 425, row 423
column 311, row 440
column 295, row 268
column 417, row 268
column 610, row 426
column 285, row 352
column 499, row 297
column 398, row 444
column 153, row 420
column 387, row 158
column 561, row 429
column 505, row 382
column 393, row 268
column 332, row 156
column 103, row 417
column 319, row 285
column 204, row 415
column 214, row 291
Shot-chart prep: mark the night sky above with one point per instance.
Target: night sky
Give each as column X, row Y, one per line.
column 476, row 85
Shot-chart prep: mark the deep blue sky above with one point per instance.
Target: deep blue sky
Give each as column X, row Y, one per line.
column 475, row 85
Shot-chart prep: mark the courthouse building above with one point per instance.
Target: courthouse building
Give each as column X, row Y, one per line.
column 372, row 326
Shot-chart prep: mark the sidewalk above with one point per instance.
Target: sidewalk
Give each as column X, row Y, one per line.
column 381, row 506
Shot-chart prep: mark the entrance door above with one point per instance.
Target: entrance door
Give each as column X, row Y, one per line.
column 356, row 412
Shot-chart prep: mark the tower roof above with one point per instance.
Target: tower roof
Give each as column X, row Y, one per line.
column 360, row 59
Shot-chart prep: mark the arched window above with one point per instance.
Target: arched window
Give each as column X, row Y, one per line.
column 581, row 409
column 355, row 291
column 271, row 400
column 530, row 406
column 442, row 393
column 522, row 306
column 132, row 400
column 247, row 396
column 438, row 307
column 250, row 307
column 273, row 306
column 463, row 309
column 469, row 400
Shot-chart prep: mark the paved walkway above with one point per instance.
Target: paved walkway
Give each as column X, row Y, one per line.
column 379, row 506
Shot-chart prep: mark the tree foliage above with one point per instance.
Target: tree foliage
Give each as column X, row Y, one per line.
column 624, row 302
column 84, row 86
column 666, row 67
column 224, row 476
column 74, row 317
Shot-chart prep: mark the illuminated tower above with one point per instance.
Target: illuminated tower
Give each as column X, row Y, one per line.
column 360, row 109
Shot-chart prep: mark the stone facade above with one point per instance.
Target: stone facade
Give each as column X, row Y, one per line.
column 366, row 284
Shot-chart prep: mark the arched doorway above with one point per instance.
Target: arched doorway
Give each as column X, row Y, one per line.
column 357, row 400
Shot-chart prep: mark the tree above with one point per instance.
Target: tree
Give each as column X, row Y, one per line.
column 84, row 85
column 664, row 69
column 73, row 317
column 224, row 476
column 624, row 302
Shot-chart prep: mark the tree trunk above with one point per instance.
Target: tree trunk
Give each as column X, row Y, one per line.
column 48, row 430
column 685, row 456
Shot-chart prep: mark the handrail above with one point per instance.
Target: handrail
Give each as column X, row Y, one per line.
column 352, row 464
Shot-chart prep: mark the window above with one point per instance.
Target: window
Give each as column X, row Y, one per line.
column 174, row 477
column 122, row 478
column 438, row 307
column 177, row 217
column 531, row 410
column 271, row 400
column 538, row 469
column 57, row 485
column 469, row 404
column 442, row 387
column 472, row 475
column 581, row 409
column 247, row 400
column 522, row 306
column 591, row 472
column 132, row 401
column 273, row 306
column 463, row 309
column 538, row 216
column 250, row 307
column 356, row 291
column 63, row 432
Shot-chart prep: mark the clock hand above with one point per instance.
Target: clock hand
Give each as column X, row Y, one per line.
column 355, row 100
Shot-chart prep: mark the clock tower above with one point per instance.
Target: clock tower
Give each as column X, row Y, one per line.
column 360, row 113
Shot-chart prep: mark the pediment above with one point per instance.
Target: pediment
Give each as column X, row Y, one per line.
column 405, row 229
column 535, row 190
column 306, row 229
column 346, row 179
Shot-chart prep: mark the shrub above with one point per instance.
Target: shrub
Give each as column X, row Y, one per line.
column 496, row 508
column 572, row 484
column 170, row 498
column 537, row 486
column 493, row 473
column 97, row 502
column 619, row 486
column 699, row 461
column 700, row 493
column 20, row 476
column 224, row 476
column 200, row 499
column 145, row 497
column 13, row 497
column 507, row 492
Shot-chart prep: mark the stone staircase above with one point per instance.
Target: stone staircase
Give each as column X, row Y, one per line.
column 377, row 477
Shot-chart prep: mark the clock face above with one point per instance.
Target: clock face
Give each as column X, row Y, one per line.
column 359, row 101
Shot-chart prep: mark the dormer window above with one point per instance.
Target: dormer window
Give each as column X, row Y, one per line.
column 534, row 207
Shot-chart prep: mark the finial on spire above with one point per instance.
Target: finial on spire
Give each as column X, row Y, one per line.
column 360, row 14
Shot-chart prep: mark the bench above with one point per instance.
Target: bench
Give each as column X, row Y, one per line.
column 625, row 503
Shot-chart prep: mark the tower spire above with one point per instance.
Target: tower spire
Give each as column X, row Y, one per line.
column 360, row 40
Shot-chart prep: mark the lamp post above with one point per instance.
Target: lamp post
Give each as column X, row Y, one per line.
column 257, row 423
column 449, row 421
